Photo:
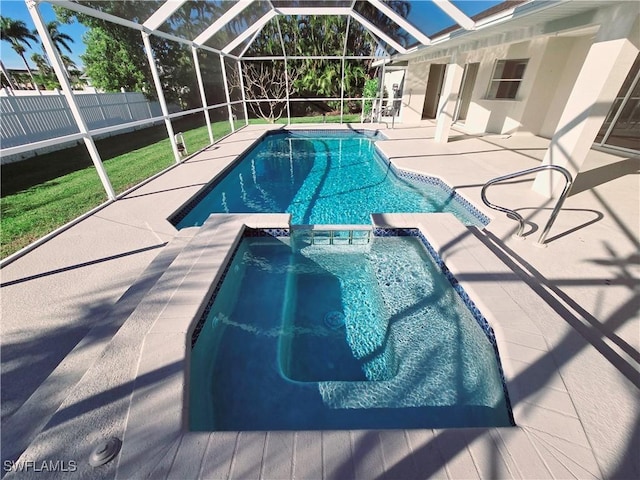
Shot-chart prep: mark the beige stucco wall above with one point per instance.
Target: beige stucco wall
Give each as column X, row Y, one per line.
column 554, row 64
column 563, row 60
column 503, row 116
column 415, row 86
column 556, row 52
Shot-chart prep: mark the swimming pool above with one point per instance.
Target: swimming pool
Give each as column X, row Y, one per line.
column 343, row 331
column 322, row 177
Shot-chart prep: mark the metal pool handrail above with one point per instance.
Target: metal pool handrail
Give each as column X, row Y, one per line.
column 516, row 216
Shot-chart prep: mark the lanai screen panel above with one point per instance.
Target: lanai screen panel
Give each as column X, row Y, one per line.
column 312, row 3
column 385, row 24
column 211, row 70
column 238, row 25
column 313, row 35
column 134, row 11
column 194, row 17
column 360, row 42
column 267, row 43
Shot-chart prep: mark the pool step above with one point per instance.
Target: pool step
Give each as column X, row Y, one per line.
column 333, row 234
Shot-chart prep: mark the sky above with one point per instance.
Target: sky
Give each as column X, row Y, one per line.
column 17, row 10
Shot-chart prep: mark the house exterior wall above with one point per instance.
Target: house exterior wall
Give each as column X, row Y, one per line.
column 554, row 64
column 556, row 52
column 414, row 91
column 564, row 69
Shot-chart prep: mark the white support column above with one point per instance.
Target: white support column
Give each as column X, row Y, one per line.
column 342, row 90
column 226, row 93
column 603, row 72
column 344, row 54
column 381, row 94
column 286, row 72
column 163, row 103
column 203, row 96
column 58, row 67
column 244, row 97
column 447, row 107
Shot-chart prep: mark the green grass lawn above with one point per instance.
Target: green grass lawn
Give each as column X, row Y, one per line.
column 36, row 199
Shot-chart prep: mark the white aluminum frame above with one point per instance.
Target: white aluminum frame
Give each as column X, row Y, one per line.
column 61, row 74
column 453, row 11
column 151, row 25
column 417, row 34
column 163, row 13
column 203, row 95
column 226, row 92
column 163, row 104
column 219, row 24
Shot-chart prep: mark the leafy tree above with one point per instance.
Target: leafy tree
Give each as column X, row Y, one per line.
column 370, row 91
column 16, row 33
column 262, row 81
column 45, row 75
column 115, row 55
column 110, row 64
column 310, row 36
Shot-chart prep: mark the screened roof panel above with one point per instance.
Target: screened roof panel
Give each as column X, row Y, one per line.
column 237, row 51
column 268, row 42
column 225, row 25
column 238, row 25
column 386, row 24
column 311, row 3
column 361, row 41
column 134, row 11
column 471, row 8
column 194, row 17
column 429, row 18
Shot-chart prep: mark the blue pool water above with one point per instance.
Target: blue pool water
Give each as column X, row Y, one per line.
column 303, row 336
column 321, row 178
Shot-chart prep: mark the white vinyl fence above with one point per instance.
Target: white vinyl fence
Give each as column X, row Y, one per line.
column 27, row 117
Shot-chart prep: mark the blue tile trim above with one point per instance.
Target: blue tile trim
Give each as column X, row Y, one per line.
column 207, row 309
column 266, row 232
column 453, row 195
column 371, row 134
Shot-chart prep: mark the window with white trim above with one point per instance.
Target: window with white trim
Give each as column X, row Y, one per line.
column 506, row 79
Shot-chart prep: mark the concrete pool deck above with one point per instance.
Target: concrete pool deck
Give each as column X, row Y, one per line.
column 60, row 313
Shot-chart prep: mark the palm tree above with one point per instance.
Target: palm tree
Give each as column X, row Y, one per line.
column 58, row 38
column 18, row 35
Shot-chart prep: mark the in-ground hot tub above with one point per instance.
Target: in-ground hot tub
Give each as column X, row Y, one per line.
column 342, row 328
